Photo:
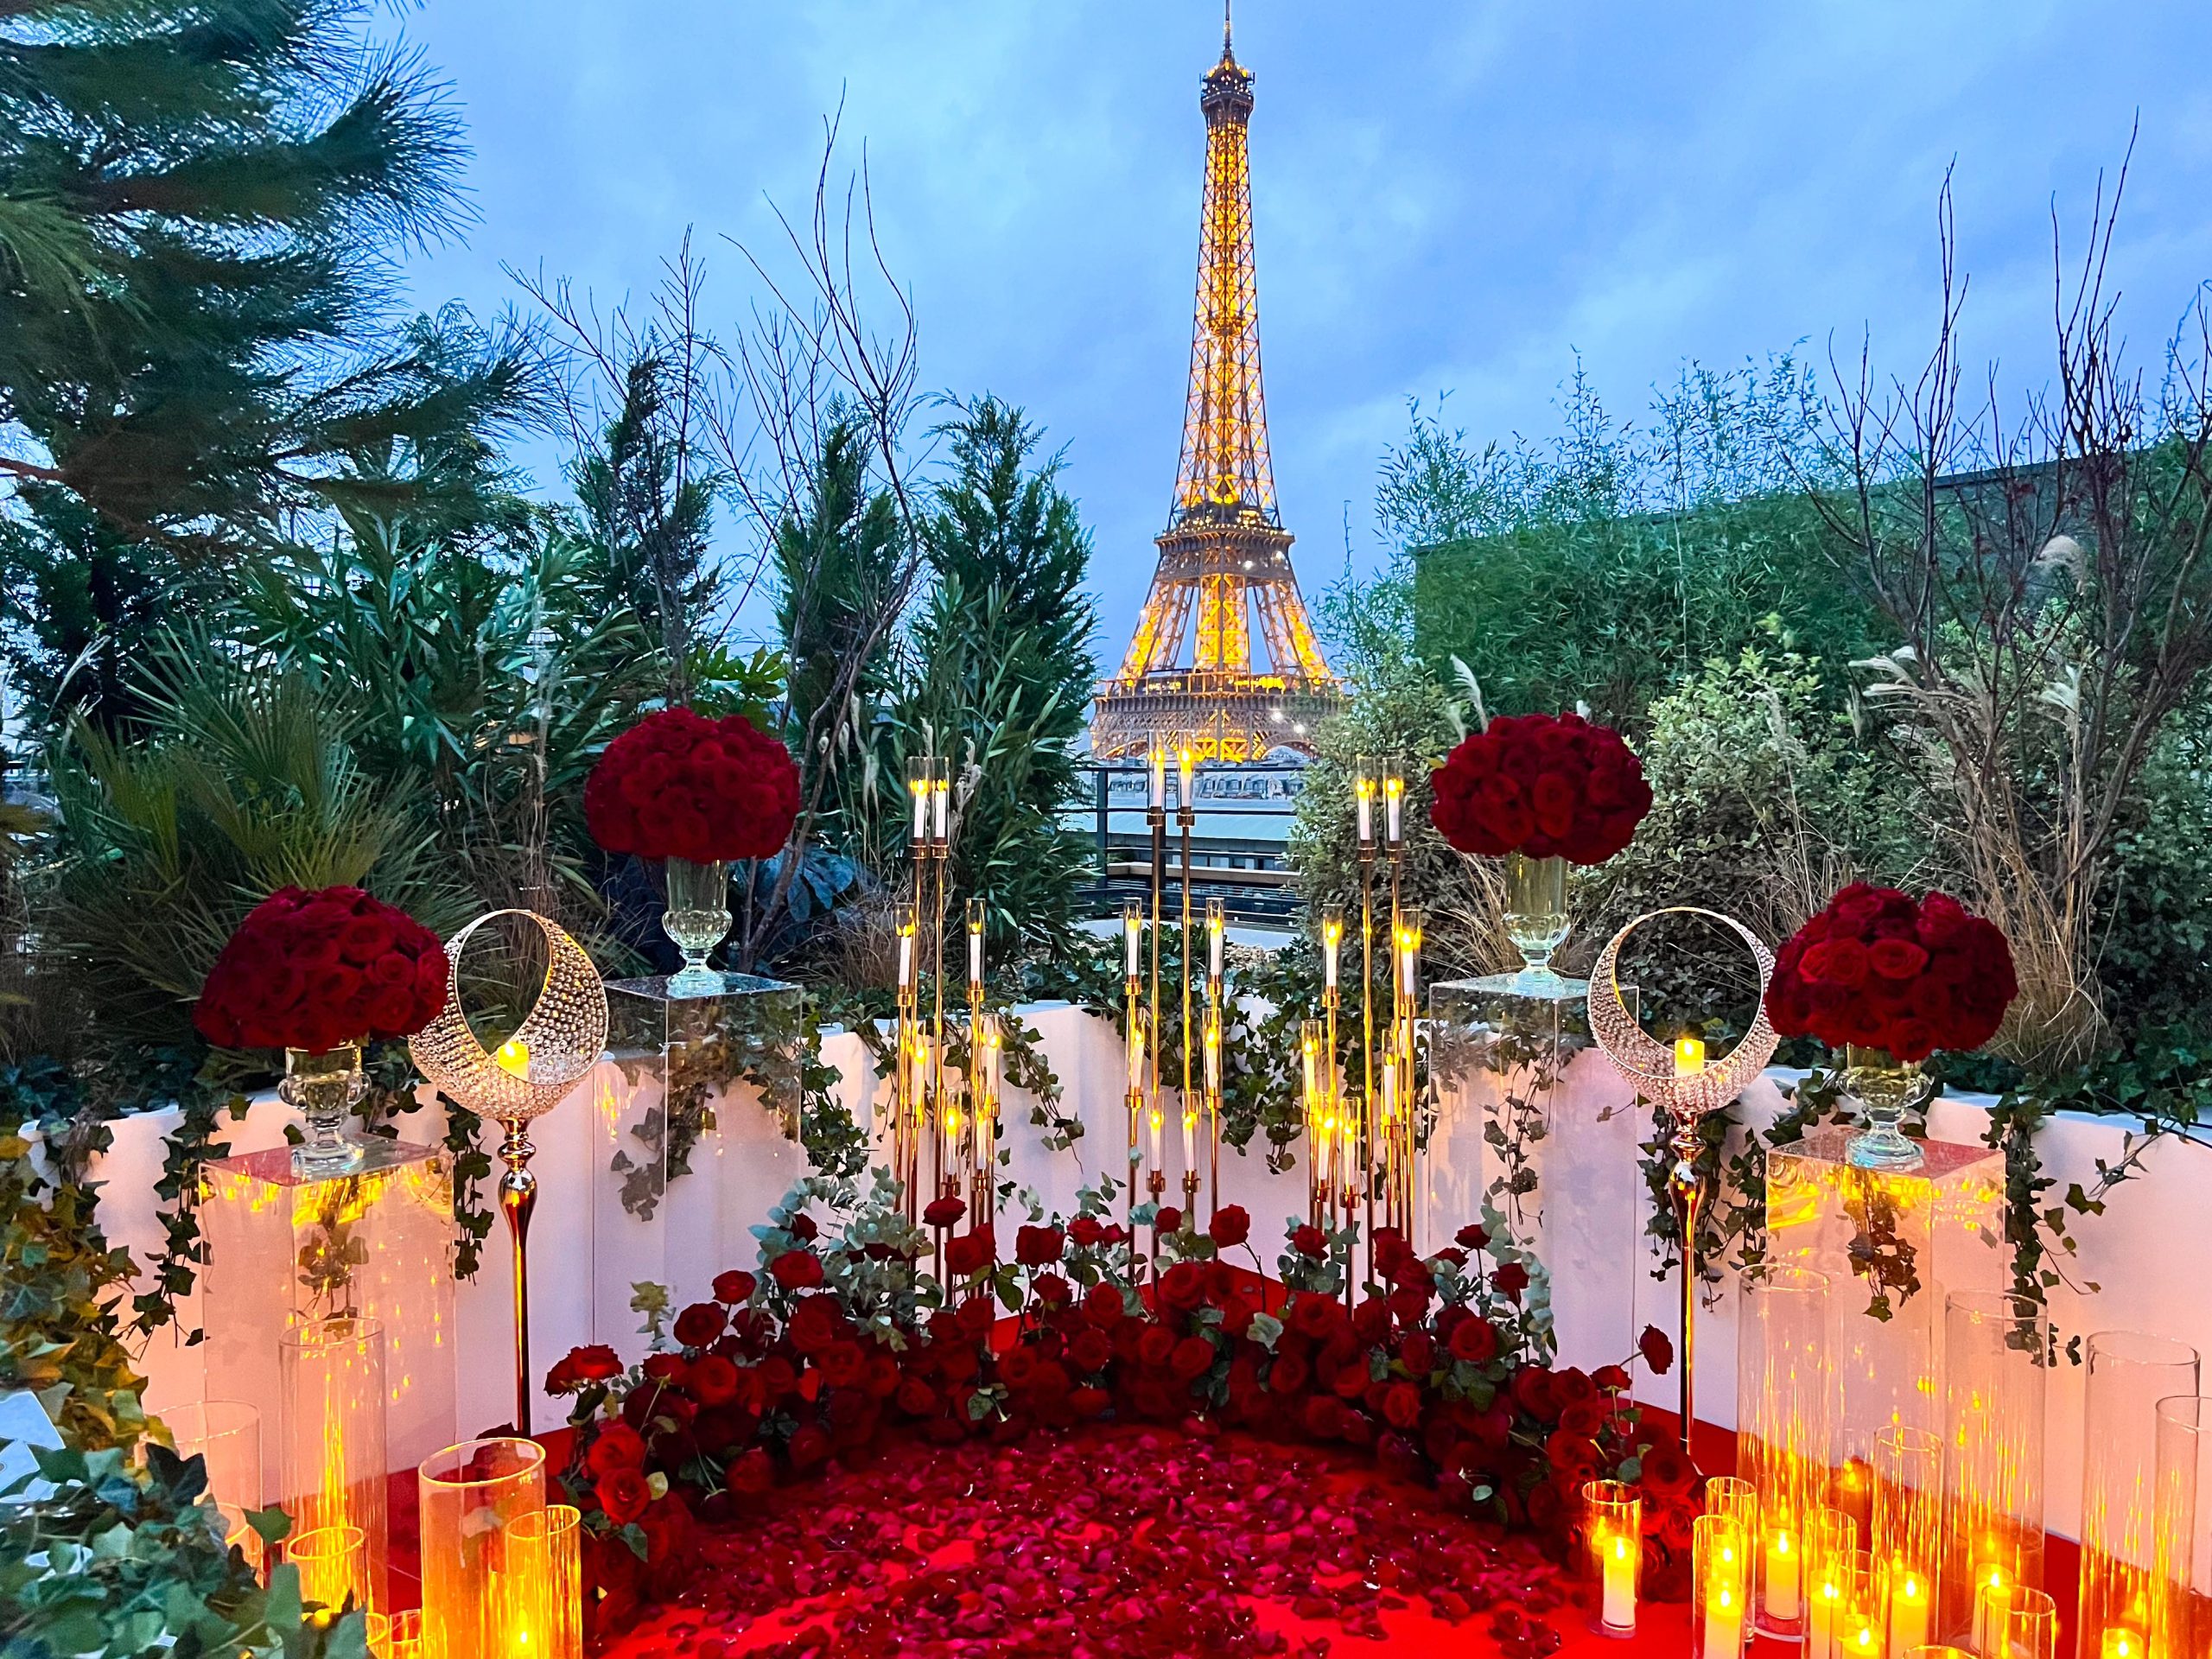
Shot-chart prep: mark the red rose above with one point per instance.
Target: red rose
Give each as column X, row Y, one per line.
column 1091, row 1350
column 1038, row 1247
column 1315, row 1315
column 1051, row 1289
column 314, row 970
column 679, row 785
column 943, row 1213
column 815, row 1323
column 1666, row 1471
column 809, row 1446
column 1583, row 1417
column 1473, row 1237
column 1401, row 1405
column 623, row 1495
column 797, row 1271
column 1182, row 1285
column 714, row 1380
column 1102, row 1304
column 1088, row 1232
column 1658, row 1352
column 1896, row 958
column 1193, row 1357
column 618, row 1446
column 734, row 1287
column 843, row 1365
column 1308, row 1240
column 1510, row 1279
column 1612, row 1378
column 1547, row 785
column 1230, row 1225
column 915, row 1396
column 1878, row 971
column 750, row 1473
column 1473, row 1339
column 699, row 1323
column 594, row 1363
column 970, row 1253
column 1417, row 1352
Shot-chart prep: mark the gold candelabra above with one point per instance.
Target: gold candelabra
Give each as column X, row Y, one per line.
column 1198, row 1059
column 1373, row 1139
column 950, row 1114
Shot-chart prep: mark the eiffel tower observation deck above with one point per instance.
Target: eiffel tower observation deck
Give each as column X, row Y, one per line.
column 1225, row 555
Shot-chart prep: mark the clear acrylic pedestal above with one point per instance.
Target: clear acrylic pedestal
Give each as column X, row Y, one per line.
column 285, row 1249
column 697, row 1136
column 1536, row 1134
column 1894, row 1244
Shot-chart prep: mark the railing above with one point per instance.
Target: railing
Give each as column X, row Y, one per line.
column 1237, row 844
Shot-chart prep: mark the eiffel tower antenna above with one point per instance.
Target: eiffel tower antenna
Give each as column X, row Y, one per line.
column 1224, row 554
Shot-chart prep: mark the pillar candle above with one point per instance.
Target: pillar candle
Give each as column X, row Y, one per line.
column 941, row 794
column 1723, row 1624
column 1364, row 796
column 1620, row 1583
column 1782, row 1600
column 1909, row 1614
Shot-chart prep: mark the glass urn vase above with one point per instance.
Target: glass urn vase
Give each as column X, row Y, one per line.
column 1883, row 1089
column 325, row 1087
column 1535, row 919
column 697, row 919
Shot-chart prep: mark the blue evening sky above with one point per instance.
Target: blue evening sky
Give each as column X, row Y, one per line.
column 1447, row 195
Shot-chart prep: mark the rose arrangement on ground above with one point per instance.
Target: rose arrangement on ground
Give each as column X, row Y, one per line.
column 1545, row 785
column 677, row 784
column 1437, row 1371
column 1879, row 969
column 312, row 970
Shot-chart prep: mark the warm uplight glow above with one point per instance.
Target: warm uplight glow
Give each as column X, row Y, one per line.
column 2120, row 1642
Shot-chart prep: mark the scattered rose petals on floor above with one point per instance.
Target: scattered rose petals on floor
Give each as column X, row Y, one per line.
column 1130, row 1543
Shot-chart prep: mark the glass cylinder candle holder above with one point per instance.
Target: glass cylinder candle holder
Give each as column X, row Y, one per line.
column 2014, row 1621
column 1781, row 1416
column 2128, row 1373
column 1737, row 1499
column 1613, row 1540
column 1838, row 1591
column 331, row 1467
column 1720, row 1586
column 542, row 1584
column 1939, row 1650
column 2181, row 1608
column 1996, row 1370
column 227, row 1434
column 333, row 1563
column 396, row 1636
column 469, row 1496
column 1908, row 1507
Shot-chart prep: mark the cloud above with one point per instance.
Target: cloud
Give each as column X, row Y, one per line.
column 1447, row 195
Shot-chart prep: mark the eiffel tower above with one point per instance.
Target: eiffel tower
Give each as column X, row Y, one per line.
column 1224, row 553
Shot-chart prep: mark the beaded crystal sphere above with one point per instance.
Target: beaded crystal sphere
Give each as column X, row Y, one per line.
column 1648, row 1063
column 558, row 1041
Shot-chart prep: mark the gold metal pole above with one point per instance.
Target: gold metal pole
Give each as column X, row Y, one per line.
column 518, row 1197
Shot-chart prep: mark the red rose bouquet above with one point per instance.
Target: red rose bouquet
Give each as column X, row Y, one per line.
column 313, row 970
column 677, row 784
column 1879, row 969
column 1545, row 785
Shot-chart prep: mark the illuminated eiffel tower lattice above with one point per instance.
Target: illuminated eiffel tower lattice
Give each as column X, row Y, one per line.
column 1224, row 554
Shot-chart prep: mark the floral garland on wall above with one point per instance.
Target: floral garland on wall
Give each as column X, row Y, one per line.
column 840, row 1340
